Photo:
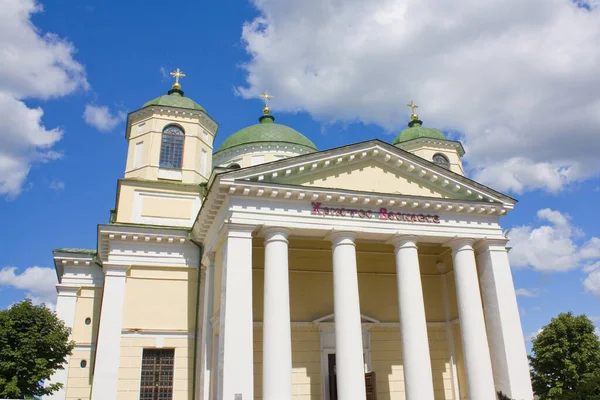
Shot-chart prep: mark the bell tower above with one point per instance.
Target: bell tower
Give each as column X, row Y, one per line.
column 170, row 145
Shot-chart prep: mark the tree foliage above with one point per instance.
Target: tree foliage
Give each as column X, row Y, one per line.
column 34, row 343
column 565, row 360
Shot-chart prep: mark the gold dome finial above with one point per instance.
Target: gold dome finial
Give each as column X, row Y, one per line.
column 266, row 97
column 413, row 106
column 177, row 74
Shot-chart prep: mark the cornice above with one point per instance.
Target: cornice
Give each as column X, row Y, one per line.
column 108, row 234
column 165, row 111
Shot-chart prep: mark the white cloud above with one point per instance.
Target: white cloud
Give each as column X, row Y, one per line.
column 592, row 282
column 518, row 78
column 34, row 66
column 57, row 185
column 37, row 282
column 528, row 292
column 554, row 247
column 549, row 247
column 101, row 118
column 594, row 318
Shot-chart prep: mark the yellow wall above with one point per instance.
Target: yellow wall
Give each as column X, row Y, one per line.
column 160, row 298
column 161, row 303
column 155, row 206
column 79, row 384
column 369, row 176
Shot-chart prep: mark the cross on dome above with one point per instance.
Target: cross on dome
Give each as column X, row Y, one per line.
column 413, row 106
column 266, row 97
column 177, row 74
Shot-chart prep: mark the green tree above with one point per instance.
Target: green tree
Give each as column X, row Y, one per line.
column 34, row 343
column 565, row 360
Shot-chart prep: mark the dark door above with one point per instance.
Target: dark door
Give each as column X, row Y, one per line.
column 369, row 381
column 332, row 377
column 370, row 386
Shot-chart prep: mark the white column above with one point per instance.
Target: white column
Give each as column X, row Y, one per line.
column 505, row 334
column 480, row 381
column 108, row 347
column 206, row 333
column 236, row 361
column 449, row 334
column 348, row 331
column 66, row 301
column 416, row 361
column 277, row 335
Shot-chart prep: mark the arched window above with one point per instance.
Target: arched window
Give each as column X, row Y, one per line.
column 171, row 147
column 441, row 160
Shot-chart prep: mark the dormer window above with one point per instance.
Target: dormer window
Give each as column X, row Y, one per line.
column 171, row 147
column 441, row 160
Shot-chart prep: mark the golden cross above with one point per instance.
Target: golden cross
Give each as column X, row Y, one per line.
column 266, row 97
column 177, row 74
column 412, row 106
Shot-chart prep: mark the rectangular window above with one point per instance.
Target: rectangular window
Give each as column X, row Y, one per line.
column 204, row 161
column 157, row 374
column 141, row 127
column 137, row 155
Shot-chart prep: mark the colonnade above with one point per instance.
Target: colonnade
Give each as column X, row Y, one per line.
column 500, row 364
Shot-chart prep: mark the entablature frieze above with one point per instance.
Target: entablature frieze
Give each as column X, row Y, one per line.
column 148, row 246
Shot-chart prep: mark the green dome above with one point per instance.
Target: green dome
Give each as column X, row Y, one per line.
column 266, row 131
column 415, row 130
column 175, row 98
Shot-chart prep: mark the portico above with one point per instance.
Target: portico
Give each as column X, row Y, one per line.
column 304, row 252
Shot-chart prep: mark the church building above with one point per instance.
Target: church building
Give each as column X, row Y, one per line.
column 266, row 268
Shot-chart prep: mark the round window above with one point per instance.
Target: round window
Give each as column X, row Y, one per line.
column 83, row 363
column 441, row 160
column 88, row 321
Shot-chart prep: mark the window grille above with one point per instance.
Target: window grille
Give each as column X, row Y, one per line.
column 171, row 147
column 157, row 374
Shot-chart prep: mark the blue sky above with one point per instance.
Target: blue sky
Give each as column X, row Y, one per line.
column 517, row 87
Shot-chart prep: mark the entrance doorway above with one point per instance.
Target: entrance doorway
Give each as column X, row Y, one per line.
column 369, row 380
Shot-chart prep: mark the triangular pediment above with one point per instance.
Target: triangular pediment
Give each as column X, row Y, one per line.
column 370, row 167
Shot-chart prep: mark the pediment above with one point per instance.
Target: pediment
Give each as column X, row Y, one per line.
column 370, row 167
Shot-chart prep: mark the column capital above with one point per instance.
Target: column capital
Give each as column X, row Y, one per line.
column 237, row 230
column 111, row 269
column 460, row 244
column 404, row 241
column 276, row 234
column 338, row 238
column 67, row 290
column 483, row 245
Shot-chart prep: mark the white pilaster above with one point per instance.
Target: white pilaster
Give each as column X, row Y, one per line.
column 277, row 336
column 478, row 366
column 66, row 302
column 413, row 326
column 206, row 331
column 505, row 334
column 348, row 331
column 108, row 348
column 236, row 362
column 449, row 334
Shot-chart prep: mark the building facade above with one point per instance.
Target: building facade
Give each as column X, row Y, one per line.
column 270, row 270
